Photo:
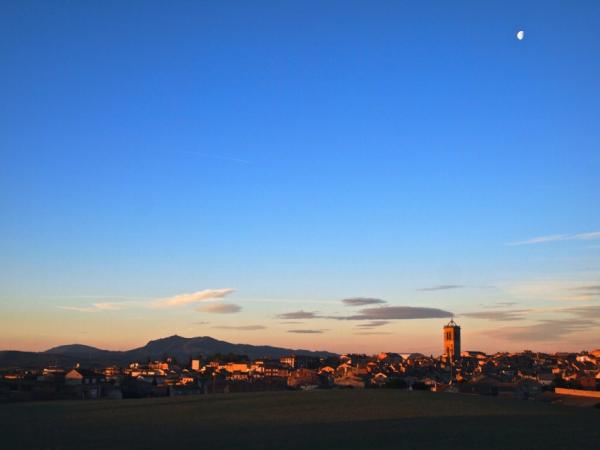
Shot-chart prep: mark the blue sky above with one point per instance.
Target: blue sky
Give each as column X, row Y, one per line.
column 299, row 154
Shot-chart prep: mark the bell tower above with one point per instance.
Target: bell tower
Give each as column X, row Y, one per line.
column 452, row 341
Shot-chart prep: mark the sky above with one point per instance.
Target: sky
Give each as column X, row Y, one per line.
column 335, row 175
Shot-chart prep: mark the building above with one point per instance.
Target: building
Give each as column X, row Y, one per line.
column 83, row 376
column 300, row 362
column 452, row 341
column 302, row 378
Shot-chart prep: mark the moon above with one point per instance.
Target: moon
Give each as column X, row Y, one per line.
column 520, row 35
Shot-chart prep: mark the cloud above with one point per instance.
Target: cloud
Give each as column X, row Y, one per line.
column 582, row 293
column 362, row 301
column 587, row 291
column 441, row 287
column 291, row 322
column 201, row 323
column 194, row 297
column 94, row 308
column 376, row 314
column 593, row 288
column 376, row 323
column 373, row 333
column 503, row 316
column 499, row 305
column 100, row 297
column 242, row 327
column 583, row 311
column 299, row 315
column 397, row 313
column 546, row 330
column 556, row 288
column 559, row 237
column 307, row 331
column 506, row 303
column 219, row 308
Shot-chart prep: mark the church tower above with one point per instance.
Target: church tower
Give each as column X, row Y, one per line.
column 452, row 340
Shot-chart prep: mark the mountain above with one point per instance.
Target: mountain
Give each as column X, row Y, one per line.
column 83, row 352
column 32, row 360
column 178, row 347
column 74, row 349
column 185, row 348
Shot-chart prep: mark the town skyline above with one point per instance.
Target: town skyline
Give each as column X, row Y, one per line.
column 444, row 350
column 175, row 365
column 340, row 177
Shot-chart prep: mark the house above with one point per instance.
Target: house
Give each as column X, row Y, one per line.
column 52, row 373
column 303, row 377
column 158, row 365
column 350, row 379
column 238, row 375
column 111, row 372
column 300, row 362
column 473, row 354
column 327, row 369
column 237, row 368
column 272, row 370
column 379, row 379
column 83, row 376
column 390, row 358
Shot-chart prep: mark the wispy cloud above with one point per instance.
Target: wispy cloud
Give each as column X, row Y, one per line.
column 242, row 327
column 98, row 297
column 299, row 315
column 499, row 305
column 546, row 330
column 503, row 304
column 373, row 324
column 441, row 287
column 376, row 314
column 194, row 297
column 94, row 308
column 219, row 308
column 583, row 311
column 307, row 331
column 559, row 237
column 362, row 301
column 582, row 293
column 373, row 333
column 590, row 290
column 396, row 313
column 502, row 316
column 566, row 288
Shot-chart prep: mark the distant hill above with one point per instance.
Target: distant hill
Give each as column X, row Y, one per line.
column 178, row 347
column 74, row 349
column 185, row 348
column 33, row 360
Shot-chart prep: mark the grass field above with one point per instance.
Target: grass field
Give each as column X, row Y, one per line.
column 349, row 419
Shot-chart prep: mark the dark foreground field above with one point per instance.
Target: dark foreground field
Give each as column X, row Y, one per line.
column 297, row 420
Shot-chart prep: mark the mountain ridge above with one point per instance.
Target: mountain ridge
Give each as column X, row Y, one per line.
column 181, row 348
